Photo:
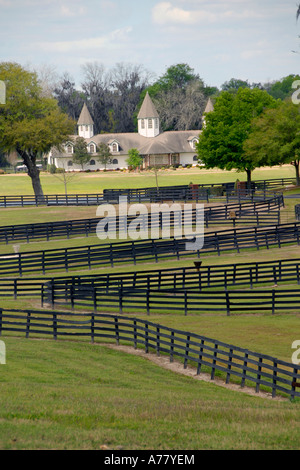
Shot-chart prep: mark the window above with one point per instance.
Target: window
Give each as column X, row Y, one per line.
column 92, row 148
column 149, row 123
column 115, row 161
column 92, row 162
column 195, row 158
column 70, row 163
column 156, row 123
column 143, row 123
column 114, row 147
column 86, row 128
column 194, row 141
column 69, row 149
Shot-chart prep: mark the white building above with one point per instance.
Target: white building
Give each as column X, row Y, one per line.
column 156, row 148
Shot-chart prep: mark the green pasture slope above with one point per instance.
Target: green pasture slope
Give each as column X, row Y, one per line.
column 71, row 394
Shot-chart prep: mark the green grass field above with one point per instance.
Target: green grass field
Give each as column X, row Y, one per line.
column 84, row 183
column 70, row 394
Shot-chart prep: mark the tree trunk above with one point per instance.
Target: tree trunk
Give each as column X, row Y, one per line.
column 296, row 165
column 248, row 180
column 34, row 173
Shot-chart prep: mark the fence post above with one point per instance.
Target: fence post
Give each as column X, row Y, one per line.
column 146, row 338
column 187, row 348
column 185, row 302
column 212, row 376
column 157, row 341
column 54, row 325
column 134, row 335
column 121, row 297
column 258, row 374
column 294, row 382
column 27, row 323
column 273, row 301
column 227, row 303
column 229, row 365
column 200, row 357
column 117, row 330
column 274, row 382
column 244, row 370
column 92, row 327
column 172, row 346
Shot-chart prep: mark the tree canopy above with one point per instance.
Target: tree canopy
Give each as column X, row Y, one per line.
column 30, row 123
column 228, row 126
column 275, row 138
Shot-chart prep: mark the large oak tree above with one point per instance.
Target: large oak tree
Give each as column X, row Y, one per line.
column 228, row 126
column 30, row 123
column 275, row 137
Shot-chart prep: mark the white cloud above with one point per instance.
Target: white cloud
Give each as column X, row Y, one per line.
column 166, row 13
column 70, row 12
column 88, row 43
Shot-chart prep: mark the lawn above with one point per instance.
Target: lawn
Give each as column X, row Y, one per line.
column 94, row 183
column 70, row 394
column 74, row 395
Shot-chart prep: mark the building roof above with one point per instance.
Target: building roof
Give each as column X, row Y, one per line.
column 85, row 118
column 209, row 106
column 147, row 109
column 166, row 142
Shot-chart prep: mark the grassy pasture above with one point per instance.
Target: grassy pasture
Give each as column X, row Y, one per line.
column 76, row 395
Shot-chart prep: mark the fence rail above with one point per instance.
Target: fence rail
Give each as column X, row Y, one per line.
column 169, row 300
column 169, row 193
column 260, row 213
column 141, row 250
column 207, row 355
column 186, row 278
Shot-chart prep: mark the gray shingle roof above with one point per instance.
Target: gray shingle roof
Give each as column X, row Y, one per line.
column 147, row 109
column 85, row 118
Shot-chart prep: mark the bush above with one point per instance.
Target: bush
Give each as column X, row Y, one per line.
column 51, row 168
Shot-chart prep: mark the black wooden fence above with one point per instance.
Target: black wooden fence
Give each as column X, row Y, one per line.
column 248, row 368
column 185, row 278
column 185, row 302
column 259, row 213
column 170, row 193
column 141, row 250
column 51, row 200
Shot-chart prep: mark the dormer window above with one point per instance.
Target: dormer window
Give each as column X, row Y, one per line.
column 92, row 148
column 114, row 146
column 193, row 141
column 69, row 148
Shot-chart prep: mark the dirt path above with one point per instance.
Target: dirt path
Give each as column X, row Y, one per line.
column 164, row 361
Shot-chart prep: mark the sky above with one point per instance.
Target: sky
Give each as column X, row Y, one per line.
column 250, row 40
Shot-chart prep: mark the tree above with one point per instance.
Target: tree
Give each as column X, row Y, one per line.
column 103, row 154
column 234, row 84
column 228, row 126
column 282, row 89
column 80, row 153
column 30, row 123
column 275, row 138
column 179, row 97
column 134, row 158
column 69, row 99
